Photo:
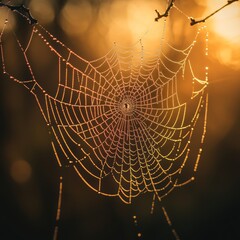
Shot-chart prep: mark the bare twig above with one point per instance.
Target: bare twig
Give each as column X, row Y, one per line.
column 166, row 12
column 193, row 21
column 22, row 10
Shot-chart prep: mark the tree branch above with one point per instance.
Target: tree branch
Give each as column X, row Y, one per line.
column 21, row 9
column 166, row 12
column 193, row 21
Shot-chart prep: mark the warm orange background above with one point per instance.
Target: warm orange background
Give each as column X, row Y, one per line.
column 207, row 209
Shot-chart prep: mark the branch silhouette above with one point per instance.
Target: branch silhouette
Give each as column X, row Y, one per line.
column 21, row 9
column 193, row 21
column 165, row 14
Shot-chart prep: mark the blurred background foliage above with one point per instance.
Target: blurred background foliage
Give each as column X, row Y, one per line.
column 207, row 209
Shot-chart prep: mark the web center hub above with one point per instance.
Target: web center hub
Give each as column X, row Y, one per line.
column 127, row 106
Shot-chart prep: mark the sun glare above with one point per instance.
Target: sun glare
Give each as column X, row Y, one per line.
column 226, row 24
column 225, row 32
column 128, row 21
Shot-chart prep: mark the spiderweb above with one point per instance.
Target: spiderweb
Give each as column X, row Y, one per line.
column 121, row 121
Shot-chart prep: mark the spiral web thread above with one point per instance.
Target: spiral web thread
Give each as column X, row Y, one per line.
column 119, row 120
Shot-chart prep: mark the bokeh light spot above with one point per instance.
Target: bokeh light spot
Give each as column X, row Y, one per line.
column 76, row 17
column 20, row 171
column 42, row 10
column 225, row 32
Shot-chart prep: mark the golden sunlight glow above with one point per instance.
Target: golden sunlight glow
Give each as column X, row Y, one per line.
column 20, row 171
column 42, row 10
column 225, row 32
column 129, row 21
column 141, row 19
column 229, row 56
column 124, row 22
column 227, row 22
column 120, row 21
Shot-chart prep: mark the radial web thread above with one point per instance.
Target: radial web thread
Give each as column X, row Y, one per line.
column 120, row 120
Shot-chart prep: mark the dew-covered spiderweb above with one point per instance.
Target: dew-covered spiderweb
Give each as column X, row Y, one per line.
column 128, row 122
